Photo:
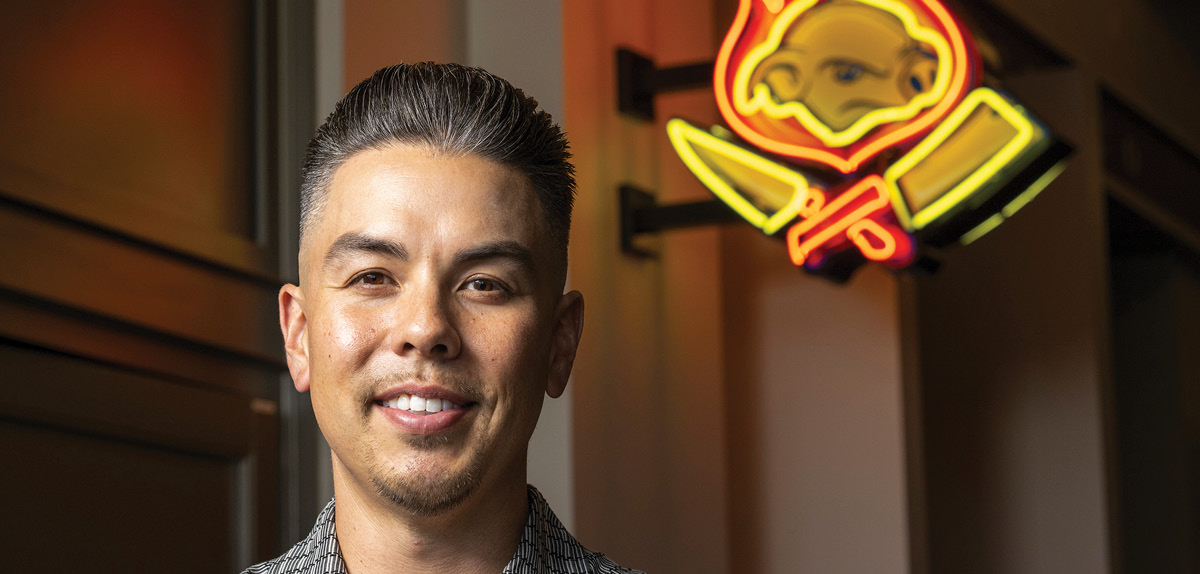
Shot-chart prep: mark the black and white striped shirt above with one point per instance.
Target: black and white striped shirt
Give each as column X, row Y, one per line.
column 546, row 548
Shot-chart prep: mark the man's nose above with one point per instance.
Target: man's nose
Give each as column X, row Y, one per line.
column 426, row 327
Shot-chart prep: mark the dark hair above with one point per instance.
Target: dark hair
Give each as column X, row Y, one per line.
column 453, row 109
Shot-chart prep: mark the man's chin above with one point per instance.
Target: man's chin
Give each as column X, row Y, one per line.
column 427, row 442
column 428, row 495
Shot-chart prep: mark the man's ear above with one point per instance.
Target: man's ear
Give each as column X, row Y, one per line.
column 294, row 324
column 568, row 329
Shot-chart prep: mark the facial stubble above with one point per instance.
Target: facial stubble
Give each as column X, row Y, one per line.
column 425, row 495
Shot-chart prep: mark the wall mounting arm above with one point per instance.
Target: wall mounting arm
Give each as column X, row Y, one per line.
column 639, row 80
column 640, row 214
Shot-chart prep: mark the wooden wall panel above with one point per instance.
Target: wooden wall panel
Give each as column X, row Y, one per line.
column 51, row 326
column 86, row 503
column 127, row 216
column 128, row 472
column 73, row 266
column 140, row 360
column 49, row 389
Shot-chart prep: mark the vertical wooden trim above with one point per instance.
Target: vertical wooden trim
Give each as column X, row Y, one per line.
column 293, row 78
column 914, row 429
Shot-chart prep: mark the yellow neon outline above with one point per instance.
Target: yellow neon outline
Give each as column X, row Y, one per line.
column 805, row 199
column 1033, row 190
column 982, row 229
column 1013, row 206
column 969, row 184
column 762, row 100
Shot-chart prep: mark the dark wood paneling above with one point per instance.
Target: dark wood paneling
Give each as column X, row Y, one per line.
column 77, row 502
column 64, row 264
column 120, row 215
column 49, row 389
column 141, row 114
column 77, row 333
column 1151, row 172
column 140, row 356
column 266, row 480
column 106, row 462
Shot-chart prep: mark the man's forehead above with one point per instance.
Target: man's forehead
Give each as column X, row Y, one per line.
column 402, row 173
column 376, row 187
column 421, row 162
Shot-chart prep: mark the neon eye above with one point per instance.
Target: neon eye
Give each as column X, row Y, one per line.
column 848, row 72
column 915, row 83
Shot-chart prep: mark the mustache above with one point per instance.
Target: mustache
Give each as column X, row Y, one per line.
column 448, row 379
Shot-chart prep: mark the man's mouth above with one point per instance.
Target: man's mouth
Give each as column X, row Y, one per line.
column 418, row 405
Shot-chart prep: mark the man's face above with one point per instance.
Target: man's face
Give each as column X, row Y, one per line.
column 429, row 279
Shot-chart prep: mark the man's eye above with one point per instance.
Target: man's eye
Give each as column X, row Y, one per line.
column 482, row 285
column 372, row 279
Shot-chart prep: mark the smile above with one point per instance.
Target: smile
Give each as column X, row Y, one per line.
column 416, row 404
column 425, row 415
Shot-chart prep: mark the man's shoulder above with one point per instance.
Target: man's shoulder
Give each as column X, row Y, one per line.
column 317, row 553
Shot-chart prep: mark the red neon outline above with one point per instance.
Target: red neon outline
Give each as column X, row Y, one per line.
column 897, row 249
column 961, row 75
column 858, row 233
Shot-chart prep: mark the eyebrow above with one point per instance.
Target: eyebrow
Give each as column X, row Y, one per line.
column 509, row 250
column 355, row 243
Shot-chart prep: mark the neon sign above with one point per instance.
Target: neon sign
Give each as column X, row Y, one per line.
column 865, row 128
column 837, row 52
column 859, row 216
column 776, row 188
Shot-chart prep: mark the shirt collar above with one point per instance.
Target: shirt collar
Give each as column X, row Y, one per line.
column 545, row 547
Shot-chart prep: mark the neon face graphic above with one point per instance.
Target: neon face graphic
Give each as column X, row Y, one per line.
column 844, row 68
column 830, row 85
column 837, row 82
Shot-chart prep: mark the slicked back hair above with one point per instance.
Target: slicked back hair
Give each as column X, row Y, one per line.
column 452, row 109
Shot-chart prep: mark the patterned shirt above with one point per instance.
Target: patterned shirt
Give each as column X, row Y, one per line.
column 546, row 548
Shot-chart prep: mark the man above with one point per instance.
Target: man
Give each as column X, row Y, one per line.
column 429, row 322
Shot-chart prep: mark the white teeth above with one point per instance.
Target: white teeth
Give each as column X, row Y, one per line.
column 420, row 404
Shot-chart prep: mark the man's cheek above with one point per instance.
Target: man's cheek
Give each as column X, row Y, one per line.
column 351, row 336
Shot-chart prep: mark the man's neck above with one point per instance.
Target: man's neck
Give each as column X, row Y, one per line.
column 478, row 536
